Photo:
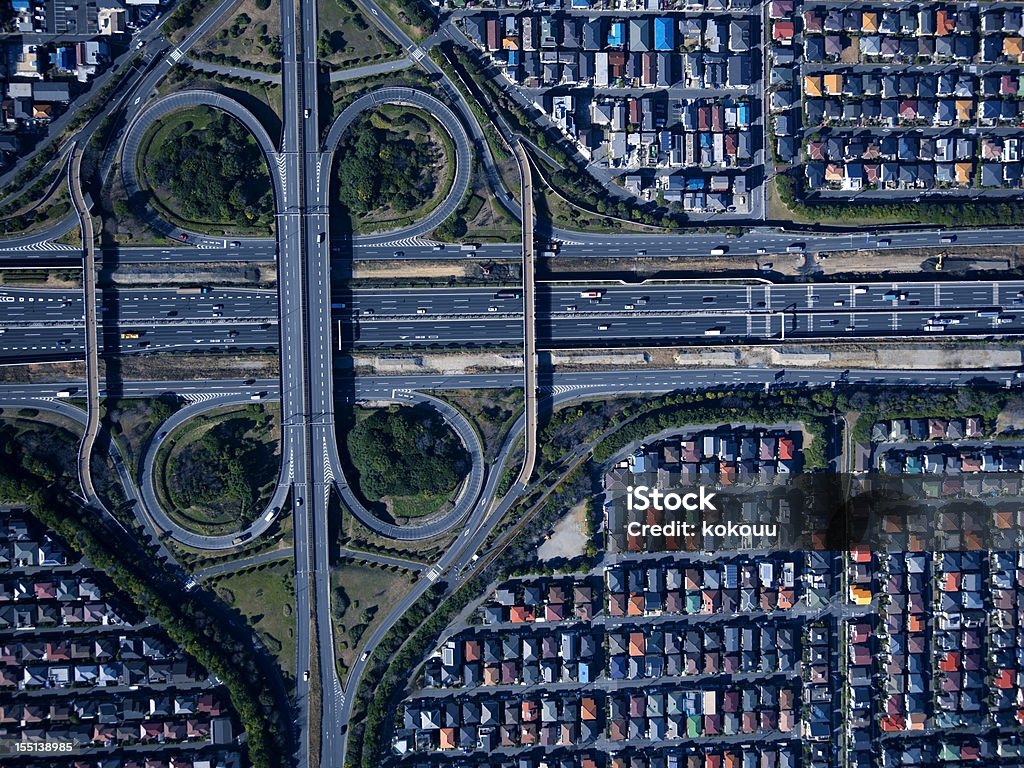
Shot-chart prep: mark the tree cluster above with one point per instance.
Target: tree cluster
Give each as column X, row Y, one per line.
column 225, row 469
column 214, row 174
column 405, row 451
column 381, row 167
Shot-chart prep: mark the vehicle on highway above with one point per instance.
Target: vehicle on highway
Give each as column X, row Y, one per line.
column 766, row 267
column 298, row 502
column 885, row 243
column 795, row 248
column 131, row 334
column 365, row 655
column 860, row 289
column 492, row 308
column 988, row 313
column 932, row 328
column 191, row 291
column 218, row 306
column 628, row 307
column 232, row 333
column 66, row 392
column 235, row 243
column 591, row 294
column 708, row 299
column 894, row 296
column 508, row 293
column 241, row 537
column 399, row 254
column 469, row 246
column 602, row 327
column 838, row 303
column 321, row 237
column 571, row 308
column 719, row 251
column 218, row 314
column 256, row 396
column 762, row 251
column 947, row 239
column 641, row 253
column 63, row 343
column 439, row 247
column 305, row 675
column 420, row 311
column 183, row 236
column 713, row 332
column 305, row 114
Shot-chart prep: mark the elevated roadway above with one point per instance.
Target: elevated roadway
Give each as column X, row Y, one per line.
column 445, row 117
column 529, row 316
column 91, row 339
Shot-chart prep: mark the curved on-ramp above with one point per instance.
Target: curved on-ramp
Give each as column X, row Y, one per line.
column 164, row 106
column 179, row 533
column 468, row 495
column 409, row 97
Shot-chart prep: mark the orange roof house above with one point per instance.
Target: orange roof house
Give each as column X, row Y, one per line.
column 860, row 595
column 522, row 614
column 833, row 83
column 783, row 31
column 447, row 738
column 1013, row 48
column 945, row 24
column 636, row 644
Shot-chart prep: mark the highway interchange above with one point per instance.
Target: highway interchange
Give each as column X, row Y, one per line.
column 300, row 319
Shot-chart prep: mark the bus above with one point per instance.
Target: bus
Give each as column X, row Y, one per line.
column 509, row 293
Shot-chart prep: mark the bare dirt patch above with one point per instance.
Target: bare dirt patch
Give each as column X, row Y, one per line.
column 41, row 373
column 41, row 278
column 448, row 363
column 170, row 275
column 195, row 367
column 569, row 538
column 363, row 270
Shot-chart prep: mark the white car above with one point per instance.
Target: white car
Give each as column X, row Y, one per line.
column 305, row 675
column 492, row 309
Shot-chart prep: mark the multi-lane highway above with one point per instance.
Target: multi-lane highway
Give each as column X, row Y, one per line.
column 587, row 314
column 43, row 324
column 47, row 323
